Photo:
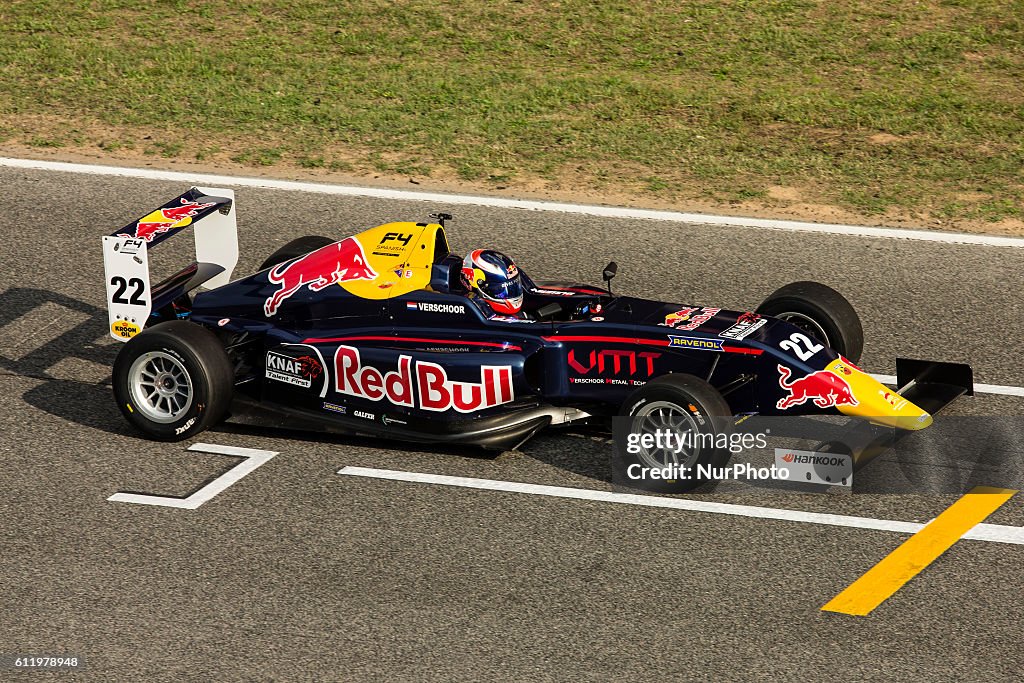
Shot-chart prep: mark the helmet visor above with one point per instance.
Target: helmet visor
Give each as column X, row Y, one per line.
column 507, row 289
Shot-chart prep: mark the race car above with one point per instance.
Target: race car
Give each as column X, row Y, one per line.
column 377, row 334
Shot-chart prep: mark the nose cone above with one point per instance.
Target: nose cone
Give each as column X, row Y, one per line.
column 877, row 402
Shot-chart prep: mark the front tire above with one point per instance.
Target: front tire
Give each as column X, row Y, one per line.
column 683, row 404
column 173, row 381
column 821, row 312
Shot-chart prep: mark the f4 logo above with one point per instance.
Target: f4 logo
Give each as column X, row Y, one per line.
column 396, row 237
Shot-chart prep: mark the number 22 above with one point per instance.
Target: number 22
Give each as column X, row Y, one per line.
column 801, row 346
column 136, row 298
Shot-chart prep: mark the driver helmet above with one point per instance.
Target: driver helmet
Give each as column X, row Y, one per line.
column 495, row 279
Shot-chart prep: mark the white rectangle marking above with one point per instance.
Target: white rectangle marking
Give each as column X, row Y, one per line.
column 253, row 459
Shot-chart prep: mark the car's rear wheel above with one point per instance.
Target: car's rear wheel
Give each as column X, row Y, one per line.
column 687, row 407
column 173, row 381
column 821, row 312
column 297, row 247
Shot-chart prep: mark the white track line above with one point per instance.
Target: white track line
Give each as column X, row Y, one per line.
column 498, row 202
column 979, row 388
column 996, row 533
column 1001, row 389
column 254, row 458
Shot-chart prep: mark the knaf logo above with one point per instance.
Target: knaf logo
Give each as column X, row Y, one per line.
column 421, row 384
column 298, row 372
column 746, row 325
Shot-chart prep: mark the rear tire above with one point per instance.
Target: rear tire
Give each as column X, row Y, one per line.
column 681, row 403
column 297, row 247
column 821, row 312
column 173, row 381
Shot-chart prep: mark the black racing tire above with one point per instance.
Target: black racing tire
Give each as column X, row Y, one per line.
column 821, row 312
column 195, row 376
column 297, row 247
column 677, row 402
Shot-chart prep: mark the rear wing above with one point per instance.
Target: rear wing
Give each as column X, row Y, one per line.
column 210, row 212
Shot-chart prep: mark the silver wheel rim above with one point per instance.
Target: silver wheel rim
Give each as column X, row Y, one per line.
column 806, row 324
column 160, row 387
column 671, row 416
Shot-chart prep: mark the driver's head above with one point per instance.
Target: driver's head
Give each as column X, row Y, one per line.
column 495, row 279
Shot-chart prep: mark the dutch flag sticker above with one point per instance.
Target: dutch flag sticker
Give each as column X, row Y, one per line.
column 411, row 305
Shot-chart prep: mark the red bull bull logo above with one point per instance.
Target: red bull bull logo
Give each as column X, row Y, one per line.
column 338, row 262
column 164, row 220
column 693, row 317
column 680, row 316
column 824, row 388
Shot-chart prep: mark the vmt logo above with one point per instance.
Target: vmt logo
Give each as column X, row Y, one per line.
column 642, row 361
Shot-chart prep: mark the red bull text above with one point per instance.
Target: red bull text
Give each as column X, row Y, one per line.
column 432, row 390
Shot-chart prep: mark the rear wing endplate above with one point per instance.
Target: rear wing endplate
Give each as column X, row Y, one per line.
column 210, row 212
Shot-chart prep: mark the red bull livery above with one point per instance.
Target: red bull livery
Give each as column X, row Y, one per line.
column 825, row 388
column 164, row 220
column 376, row 334
column 338, row 262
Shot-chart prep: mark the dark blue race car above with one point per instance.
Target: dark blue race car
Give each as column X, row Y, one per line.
column 377, row 334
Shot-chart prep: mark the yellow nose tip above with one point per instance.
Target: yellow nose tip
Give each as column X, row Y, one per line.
column 878, row 403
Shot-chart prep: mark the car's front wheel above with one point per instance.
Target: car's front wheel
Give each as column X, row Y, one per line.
column 173, row 381
column 821, row 312
column 697, row 417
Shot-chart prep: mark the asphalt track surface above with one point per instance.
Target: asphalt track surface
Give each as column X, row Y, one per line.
column 297, row 573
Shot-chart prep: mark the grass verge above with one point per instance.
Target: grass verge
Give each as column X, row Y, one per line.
column 874, row 107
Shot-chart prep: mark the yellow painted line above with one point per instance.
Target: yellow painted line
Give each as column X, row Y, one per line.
column 918, row 551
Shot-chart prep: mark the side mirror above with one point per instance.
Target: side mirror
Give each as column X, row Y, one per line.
column 609, row 273
column 440, row 217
